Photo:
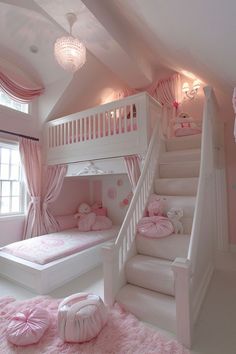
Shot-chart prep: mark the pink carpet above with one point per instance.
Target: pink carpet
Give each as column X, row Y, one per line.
column 123, row 334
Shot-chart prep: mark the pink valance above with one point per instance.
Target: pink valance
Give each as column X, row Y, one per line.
column 18, row 91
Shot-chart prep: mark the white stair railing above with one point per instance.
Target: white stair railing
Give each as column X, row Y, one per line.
column 192, row 275
column 115, row 255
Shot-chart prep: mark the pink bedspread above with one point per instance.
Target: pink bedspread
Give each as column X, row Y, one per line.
column 48, row 248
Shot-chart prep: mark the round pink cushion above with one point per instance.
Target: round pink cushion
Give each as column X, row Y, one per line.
column 155, row 226
column 81, row 317
column 28, row 326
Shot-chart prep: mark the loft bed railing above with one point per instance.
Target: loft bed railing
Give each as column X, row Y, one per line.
column 118, row 128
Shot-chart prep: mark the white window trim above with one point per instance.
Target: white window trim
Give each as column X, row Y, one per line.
column 13, row 215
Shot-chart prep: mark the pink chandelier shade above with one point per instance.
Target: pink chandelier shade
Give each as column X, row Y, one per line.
column 69, row 51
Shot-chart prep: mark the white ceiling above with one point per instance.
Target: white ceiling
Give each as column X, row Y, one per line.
column 138, row 40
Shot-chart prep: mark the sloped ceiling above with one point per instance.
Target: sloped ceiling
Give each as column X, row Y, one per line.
column 137, row 40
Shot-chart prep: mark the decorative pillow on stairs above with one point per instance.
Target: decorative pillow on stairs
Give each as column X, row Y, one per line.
column 155, row 226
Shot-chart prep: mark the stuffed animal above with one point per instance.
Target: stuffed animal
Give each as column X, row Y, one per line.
column 156, row 205
column 174, row 215
column 98, row 209
column 184, row 125
column 89, row 221
column 85, row 217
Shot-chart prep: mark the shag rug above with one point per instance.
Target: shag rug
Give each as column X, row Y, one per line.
column 123, row 334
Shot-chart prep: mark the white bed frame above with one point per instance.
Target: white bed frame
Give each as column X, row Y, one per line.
column 63, row 143
column 43, row 279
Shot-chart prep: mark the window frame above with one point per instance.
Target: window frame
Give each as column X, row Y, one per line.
column 14, row 109
column 23, row 193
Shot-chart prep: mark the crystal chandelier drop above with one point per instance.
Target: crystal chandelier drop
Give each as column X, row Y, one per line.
column 69, row 51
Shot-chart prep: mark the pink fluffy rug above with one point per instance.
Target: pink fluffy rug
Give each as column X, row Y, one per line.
column 123, row 334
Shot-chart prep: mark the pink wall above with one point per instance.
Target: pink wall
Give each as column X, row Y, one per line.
column 75, row 190
column 114, row 190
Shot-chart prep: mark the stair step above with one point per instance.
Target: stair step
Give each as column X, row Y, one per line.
column 176, row 186
column 181, row 156
column 183, row 169
column 169, row 247
column 149, row 306
column 184, row 143
column 187, row 203
column 151, row 273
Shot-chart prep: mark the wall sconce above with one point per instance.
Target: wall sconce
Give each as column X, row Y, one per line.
column 191, row 93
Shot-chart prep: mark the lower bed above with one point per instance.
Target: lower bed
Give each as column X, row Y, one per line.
column 44, row 263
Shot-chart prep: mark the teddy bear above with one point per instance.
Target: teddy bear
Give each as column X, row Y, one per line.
column 156, row 205
column 183, row 125
column 89, row 221
column 155, row 224
column 86, row 218
column 174, row 215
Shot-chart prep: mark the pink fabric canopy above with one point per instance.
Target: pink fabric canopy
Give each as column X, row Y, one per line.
column 167, row 91
column 18, row 91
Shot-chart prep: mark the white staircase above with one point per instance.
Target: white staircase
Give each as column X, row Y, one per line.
column 164, row 281
column 150, row 289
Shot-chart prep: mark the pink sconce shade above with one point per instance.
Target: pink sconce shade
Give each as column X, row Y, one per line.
column 185, row 87
column 196, row 85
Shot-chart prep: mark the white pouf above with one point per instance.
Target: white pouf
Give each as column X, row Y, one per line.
column 81, row 317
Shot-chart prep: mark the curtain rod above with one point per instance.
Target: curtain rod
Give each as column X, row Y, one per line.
column 20, row 135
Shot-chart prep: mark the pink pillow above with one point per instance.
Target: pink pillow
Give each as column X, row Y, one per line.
column 100, row 211
column 66, row 222
column 155, row 226
column 28, row 326
column 102, row 223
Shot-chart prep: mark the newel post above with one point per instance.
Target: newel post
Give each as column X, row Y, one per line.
column 110, row 266
column 182, row 273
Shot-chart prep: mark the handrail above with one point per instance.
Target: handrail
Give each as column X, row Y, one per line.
column 117, row 254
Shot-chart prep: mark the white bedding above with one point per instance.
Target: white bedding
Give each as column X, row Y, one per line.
column 47, row 248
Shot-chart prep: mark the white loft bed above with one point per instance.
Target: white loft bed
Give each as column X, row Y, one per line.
column 43, row 278
column 115, row 129
column 103, row 133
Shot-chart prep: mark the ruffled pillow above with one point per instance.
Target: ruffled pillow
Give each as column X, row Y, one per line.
column 28, row 326
column 155, row 226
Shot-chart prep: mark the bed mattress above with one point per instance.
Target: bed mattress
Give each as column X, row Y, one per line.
column 47, row 248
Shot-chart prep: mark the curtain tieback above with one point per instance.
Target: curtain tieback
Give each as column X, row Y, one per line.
column 45, row 206
column 35, row 200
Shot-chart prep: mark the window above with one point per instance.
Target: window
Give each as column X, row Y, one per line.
column 8, row 101
column 12, row 191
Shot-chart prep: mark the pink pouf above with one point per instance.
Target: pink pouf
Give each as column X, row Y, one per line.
column 28, row 326
column 81, row 317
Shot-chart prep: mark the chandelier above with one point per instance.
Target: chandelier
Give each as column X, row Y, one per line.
column 69, row 51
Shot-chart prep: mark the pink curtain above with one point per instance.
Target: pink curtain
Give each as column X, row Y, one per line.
column 31, row 160
column 168, row 92
column 234, row 107
column 18, row 91
column 133, row 169
column 54, row 180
